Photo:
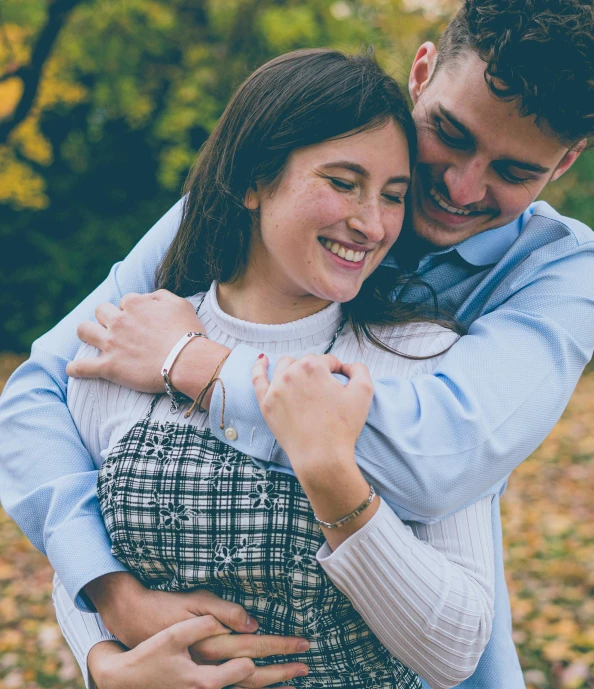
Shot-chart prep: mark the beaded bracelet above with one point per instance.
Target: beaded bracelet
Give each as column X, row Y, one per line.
column 351, row 515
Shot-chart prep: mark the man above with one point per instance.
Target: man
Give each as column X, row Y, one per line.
column 503, row 108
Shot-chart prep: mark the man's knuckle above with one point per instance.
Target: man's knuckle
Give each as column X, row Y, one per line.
column 263, row 647
column 210, row 624
column 268, row 404
column 207, row 651
column 236, row 613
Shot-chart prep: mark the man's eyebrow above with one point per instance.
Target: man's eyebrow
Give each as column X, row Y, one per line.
column 523, row 165
column 360, row 170
column 529, row 167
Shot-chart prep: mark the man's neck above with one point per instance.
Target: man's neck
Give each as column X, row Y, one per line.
column 409, row 249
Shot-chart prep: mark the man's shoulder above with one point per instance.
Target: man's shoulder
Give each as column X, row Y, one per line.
column 575, row 230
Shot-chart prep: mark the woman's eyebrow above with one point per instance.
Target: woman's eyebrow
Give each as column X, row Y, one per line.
column 360, row 170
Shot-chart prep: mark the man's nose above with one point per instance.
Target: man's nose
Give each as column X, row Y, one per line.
column 466, row 182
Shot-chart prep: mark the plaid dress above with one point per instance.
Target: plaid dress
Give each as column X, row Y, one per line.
column 184, row 510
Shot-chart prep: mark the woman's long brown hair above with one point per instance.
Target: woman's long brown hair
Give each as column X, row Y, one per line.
column 296, row 100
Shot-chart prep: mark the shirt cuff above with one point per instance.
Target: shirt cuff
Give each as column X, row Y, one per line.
column 244, row 427
column 80, row 551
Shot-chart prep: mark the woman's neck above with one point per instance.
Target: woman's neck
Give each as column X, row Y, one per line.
column 257, row 302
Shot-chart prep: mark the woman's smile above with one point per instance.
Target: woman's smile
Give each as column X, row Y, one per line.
column 343, row 254
column 328, row 223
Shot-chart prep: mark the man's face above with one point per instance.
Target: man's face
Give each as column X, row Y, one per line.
column 480, row 163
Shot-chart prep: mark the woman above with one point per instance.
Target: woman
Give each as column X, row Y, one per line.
column 296, row 199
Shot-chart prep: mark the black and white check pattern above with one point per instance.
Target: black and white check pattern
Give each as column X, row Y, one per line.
column 184, row 510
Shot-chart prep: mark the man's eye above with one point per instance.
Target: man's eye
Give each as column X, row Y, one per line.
column 341, row 184
column 449, row 139
column 509, row 177
column 512, row 179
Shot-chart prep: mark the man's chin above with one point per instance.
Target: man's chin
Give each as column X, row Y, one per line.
column 442, row 235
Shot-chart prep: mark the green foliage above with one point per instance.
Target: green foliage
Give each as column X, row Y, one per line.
column 128, row 95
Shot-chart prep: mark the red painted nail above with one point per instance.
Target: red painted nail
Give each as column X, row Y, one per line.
column 260, row 356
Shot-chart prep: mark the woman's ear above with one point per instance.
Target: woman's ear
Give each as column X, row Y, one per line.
column 251, row 200
column 422, row 70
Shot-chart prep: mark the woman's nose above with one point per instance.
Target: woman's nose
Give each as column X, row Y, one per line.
column 368, row 222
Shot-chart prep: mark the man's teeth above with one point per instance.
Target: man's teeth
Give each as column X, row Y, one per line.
column 438, row 198
column 347, row 254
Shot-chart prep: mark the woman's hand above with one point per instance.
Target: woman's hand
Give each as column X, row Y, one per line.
column 136, row 338
column 317, row 421
column 164, row 662
column 312, row 415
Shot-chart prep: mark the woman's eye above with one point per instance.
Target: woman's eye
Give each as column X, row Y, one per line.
column 394, row 199
column 341, row 184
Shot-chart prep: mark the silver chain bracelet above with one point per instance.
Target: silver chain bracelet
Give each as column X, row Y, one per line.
column 351, row 515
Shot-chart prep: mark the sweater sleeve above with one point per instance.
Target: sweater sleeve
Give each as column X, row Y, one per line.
column 426, row 591
column 81, row 630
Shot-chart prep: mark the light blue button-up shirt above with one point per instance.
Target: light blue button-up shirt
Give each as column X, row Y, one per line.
column 525, row 292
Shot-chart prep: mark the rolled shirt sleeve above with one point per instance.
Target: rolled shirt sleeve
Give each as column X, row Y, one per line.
column 436, row 442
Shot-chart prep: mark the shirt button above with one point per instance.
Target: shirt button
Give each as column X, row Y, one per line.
column 230, row 433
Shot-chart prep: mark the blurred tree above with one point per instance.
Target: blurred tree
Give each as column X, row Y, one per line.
column 104, row 103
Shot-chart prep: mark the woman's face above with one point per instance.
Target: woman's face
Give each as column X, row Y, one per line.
column 331, row 219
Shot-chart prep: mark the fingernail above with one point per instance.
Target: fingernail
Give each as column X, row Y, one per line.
column 302, row 672
column 303, row 646
column 251, row 623
column 260, row 356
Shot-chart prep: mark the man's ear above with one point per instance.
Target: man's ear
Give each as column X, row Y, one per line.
column 422, row 70
column 569, row 159
column 251, row 200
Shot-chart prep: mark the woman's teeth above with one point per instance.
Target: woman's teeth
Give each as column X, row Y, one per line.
column 347, row 254
column 438, row 198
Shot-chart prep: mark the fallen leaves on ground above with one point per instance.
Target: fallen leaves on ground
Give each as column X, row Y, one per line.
column 548, row 514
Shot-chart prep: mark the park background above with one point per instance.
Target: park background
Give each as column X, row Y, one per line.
column 103, row 105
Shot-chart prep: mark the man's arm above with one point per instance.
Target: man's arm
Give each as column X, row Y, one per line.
column 48, row 480
column 437, row 442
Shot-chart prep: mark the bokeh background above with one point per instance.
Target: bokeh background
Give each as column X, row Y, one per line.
column 103, row 105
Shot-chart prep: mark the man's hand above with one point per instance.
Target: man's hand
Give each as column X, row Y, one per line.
column 163, row 662
column 134, row 613
column 136, row 338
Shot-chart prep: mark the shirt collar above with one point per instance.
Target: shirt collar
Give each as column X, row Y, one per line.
column 488, row 248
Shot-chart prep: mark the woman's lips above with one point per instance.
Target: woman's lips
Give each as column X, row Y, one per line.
column 328, row 245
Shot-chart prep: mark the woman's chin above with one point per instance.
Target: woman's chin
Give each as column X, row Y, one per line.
column 342, row 295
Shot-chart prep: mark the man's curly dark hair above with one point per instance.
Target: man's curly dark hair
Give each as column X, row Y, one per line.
column 540, row 52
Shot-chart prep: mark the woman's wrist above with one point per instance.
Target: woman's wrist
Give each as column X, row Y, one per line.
column 194, row 367
column 334, row 493
column 101, row 665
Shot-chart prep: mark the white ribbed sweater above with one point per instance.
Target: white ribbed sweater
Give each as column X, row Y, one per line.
column 425, row 591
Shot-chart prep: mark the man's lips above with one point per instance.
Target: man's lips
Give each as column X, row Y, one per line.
column 432, row 203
